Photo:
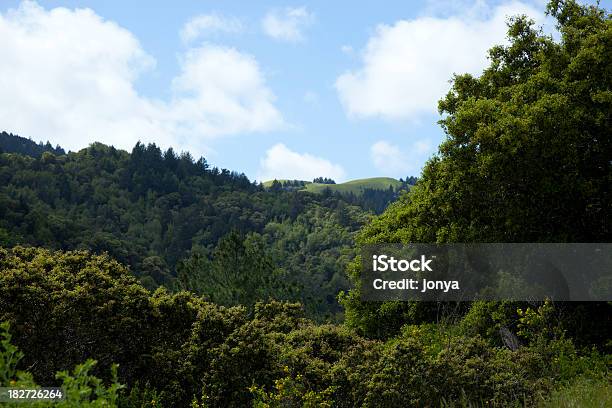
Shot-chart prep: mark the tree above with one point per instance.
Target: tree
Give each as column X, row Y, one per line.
column 276, row 186
column 527, row 153
column 238, row 272
column 176, row 350
column 323, row 180
column 411, row 180
column 75, row 323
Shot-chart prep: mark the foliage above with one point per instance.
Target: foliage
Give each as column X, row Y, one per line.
column 175, row 349
column 10, row 143
column 239, row 272
column 526, row 159
column 486, row 319
column 140, row 397
column 287, row 185
column 155, row 210
column 371, row 194
column 9, row 357
column 75, row 303
column 322, row 180
column 80, row 388
column 289, row 392
column 314, row 248
column 533, row 323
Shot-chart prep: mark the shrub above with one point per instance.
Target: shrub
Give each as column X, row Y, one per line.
column 80, row 388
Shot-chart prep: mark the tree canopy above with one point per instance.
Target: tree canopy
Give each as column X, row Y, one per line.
column 527, row 155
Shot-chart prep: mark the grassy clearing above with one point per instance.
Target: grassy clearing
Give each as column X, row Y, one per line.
column 583, row 393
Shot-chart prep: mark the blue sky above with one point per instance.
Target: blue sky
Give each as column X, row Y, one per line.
column 271, row 89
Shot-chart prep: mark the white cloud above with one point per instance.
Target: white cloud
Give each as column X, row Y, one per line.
column 393, row 161
column 407, row 65
column 287, row 24
column 221, row 91
column 207, row 24
column 282, row 163
column 68, row 76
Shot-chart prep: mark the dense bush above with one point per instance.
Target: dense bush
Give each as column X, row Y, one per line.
column 176, row 349
column 79, row 387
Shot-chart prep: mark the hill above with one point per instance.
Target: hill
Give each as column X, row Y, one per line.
column 372, row 194
column 356, row 186
column 174, row 220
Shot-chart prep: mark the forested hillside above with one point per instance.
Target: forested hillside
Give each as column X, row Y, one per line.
column 163, row 213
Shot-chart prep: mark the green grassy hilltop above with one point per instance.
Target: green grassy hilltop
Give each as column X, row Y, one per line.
column 354, row 186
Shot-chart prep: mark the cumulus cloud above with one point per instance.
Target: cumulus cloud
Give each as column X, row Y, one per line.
column 287, row 24
column 221, row 91
column 391, row 160
column 406, row 66
column 69, row 76
column 207, row 24
column 282, row 163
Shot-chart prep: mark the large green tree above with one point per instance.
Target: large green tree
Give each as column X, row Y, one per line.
column 527, row 155
column 239, row 272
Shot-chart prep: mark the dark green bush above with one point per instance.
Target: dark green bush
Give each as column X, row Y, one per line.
column 176, row 349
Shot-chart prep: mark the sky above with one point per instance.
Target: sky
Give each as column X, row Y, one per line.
column 281, row 89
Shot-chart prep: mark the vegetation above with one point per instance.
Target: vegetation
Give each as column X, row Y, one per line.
column 79, row 388
column 323, row 180
column 287, row 185
column 177, row 349
column 16, row 144
column 157, row 211
column 583, row 393
column 356, row 186
column 320, row 184
column 526, row 159
column 371, row 194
